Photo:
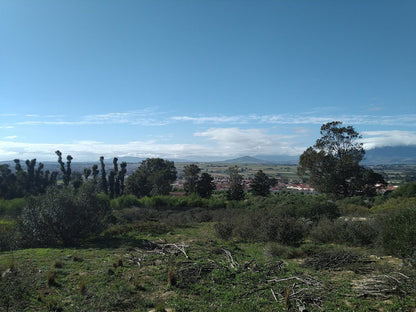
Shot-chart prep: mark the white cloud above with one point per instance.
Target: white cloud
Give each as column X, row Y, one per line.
column 10, row 137
column 222, row 142
column 373, row 139
column 213, row 119
column 235, row 141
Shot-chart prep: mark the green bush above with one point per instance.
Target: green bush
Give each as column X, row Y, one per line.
column 395, row 204
column 125, row 201
column 399, row 233
column 64, row 216
column 8, row 235
column 224, row 230
column 141, row 227
column 406, row 190
column 261, row 225
column 12, row 207
column 349, row 231
column 285, row 230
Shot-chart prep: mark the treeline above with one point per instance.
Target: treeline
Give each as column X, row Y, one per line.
column 153, row 177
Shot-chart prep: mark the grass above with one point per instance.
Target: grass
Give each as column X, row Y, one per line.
column 145, row 278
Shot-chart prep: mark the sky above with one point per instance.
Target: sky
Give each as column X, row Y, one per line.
column 202, row 79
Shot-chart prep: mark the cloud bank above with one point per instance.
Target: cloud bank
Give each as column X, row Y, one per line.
column 373, row 139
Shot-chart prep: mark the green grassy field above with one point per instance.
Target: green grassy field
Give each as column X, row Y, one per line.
column 190, row 269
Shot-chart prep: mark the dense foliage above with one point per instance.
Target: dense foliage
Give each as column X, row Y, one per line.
column 195, row 183
column 32, row 181
column 64, row 216
column 332, row 164
column 236, row 189
column 154, row 176
column 261, row 183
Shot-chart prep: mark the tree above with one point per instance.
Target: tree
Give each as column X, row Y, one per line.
column 333, row 162
column 154, row 176
column 33, row 181
column 261, row 183
column 121, row 176
column 103, row 184
column 66, row 172
column 95, row 172
column 7, row 182
column 236, row 191
column 191, row 176
column 87, row 173
column 205, row 185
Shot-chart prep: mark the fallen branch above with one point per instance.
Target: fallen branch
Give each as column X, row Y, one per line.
column 234, row 265
column 181, row 248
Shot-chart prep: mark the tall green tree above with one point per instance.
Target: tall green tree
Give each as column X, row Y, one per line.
column 332, row 164
column 103, row 181
column 7, row 183
column 191, row 176
column 95, row 172
column 236, row 190
column 33, row 181
column 154, row 176
column 121, row 176
column 261, row 183
column 205, row 185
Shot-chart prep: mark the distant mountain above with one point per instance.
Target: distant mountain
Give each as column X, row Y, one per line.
column 280, row 159
column 391, row 155
column 246, row 160
column 129, row 159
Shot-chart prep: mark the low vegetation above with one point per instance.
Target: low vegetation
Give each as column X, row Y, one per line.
column 284, row 252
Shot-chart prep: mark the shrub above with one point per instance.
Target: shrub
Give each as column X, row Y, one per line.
column 12, row 207
column 64, row 216
column 318, row 210
column 260, row 225
column 353, row 210
column 275, row 250
column 325, row 232
column 393, row 204
column 8, row 235
column 141, row 227
column 399, row 233
column 406, row 190
column 224, row 230
column 285, row 230
column 125, row 201
column 346, row 231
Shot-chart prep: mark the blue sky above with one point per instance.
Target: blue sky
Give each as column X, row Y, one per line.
column 196, row 79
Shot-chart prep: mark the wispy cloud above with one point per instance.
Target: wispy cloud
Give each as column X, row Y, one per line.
column 215, row 119
column 373, row 139
column 145, row 117
column 10, row 137
column 151, row 117
column 299, row 119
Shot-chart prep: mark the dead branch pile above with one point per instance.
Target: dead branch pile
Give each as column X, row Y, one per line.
column 277, row 267
column 189, row 272
column 332, row 260
column 384, row 286
column 300, row 291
